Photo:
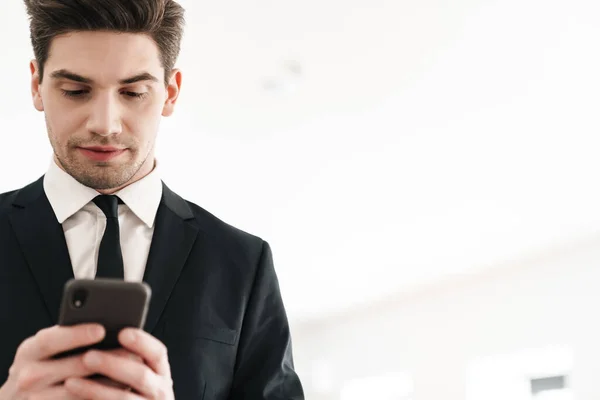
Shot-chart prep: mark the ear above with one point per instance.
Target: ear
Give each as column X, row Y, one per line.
column 173, row 89
column 36, row 93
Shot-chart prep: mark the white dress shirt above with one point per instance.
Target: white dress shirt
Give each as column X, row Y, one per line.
column 84, row 223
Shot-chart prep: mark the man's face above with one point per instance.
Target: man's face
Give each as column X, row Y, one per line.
column 103, row 95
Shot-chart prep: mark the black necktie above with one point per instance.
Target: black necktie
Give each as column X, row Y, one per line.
column 110, row 259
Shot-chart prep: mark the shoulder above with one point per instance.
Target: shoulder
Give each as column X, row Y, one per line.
column 19, row 197
column 227, row 239
column 6, row 201
column 6, row 204
column 222, row 231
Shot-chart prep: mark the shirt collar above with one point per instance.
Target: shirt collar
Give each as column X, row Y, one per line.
column 67, row 196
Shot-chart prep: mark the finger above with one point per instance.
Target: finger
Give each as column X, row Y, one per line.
column 120, row 352
column 129, row 372
column 42, row 374
column 57, row 339
column 107, row 382
column 55, row 393
column 152, row 350
column 91, row 390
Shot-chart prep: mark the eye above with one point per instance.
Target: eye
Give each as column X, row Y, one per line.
column 74, row 93
column 135, row 95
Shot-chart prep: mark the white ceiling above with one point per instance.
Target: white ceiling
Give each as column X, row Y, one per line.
column 421, row 139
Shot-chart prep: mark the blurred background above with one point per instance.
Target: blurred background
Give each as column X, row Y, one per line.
column 426, row 173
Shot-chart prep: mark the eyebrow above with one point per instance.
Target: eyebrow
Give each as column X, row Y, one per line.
column 65, row 74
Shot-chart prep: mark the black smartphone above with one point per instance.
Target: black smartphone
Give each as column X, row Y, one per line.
column 113, row 303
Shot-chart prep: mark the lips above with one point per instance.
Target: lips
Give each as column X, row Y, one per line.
column 101, row 153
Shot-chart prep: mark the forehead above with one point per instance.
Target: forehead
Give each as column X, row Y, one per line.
column 105, row 57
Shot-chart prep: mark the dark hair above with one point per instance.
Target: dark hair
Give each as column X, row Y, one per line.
column 162, row 20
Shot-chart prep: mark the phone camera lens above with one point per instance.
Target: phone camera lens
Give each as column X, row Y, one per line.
column 79, row 298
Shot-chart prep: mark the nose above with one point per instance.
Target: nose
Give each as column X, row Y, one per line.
column 105, row 115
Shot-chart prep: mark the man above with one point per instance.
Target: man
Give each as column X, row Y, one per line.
column 103, row 76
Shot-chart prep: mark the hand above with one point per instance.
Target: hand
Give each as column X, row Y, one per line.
column 149, row 380
column 34, row 374
column 109, row 382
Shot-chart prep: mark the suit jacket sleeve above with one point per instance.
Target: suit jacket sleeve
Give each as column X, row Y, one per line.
column 264, row 365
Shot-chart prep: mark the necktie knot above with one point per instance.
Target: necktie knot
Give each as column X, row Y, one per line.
column 109, row 204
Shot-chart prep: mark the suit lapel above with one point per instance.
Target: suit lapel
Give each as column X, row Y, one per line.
column 43, row 243
column 173, row 239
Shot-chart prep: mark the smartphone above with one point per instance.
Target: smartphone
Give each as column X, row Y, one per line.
column 113, row 303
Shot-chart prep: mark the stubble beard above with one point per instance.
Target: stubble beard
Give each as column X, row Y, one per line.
column 96, row 175
column 99, row 175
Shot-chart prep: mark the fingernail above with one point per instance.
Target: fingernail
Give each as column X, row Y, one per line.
column 128, row 336
column 96, row 331
column 92, row 359
column 73, row 383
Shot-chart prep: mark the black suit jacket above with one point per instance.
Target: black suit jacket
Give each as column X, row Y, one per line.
column 215, row 301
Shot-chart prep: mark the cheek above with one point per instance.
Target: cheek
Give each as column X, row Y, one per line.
column 61, row 126
column 143, row 123
column 62, row 120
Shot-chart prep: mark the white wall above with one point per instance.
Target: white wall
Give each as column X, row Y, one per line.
column 547, row 300
column 468, row 126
